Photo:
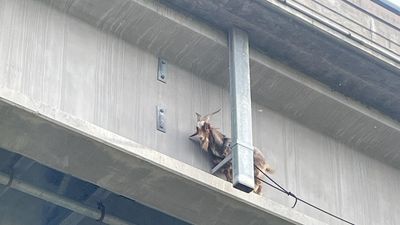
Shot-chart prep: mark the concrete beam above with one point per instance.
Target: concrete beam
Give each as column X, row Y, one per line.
column 7, row 179
column 76, row 147
column 75, row 218
column 18, row 169
column 60, row 191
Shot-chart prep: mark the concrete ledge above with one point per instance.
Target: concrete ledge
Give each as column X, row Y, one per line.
column 81, row 149
column 324, row 24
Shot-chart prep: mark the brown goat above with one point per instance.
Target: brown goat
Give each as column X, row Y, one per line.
column 218, row 147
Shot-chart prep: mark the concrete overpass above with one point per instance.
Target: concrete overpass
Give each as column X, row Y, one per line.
column 78, row 93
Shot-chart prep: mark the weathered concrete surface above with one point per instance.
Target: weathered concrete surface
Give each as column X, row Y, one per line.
column 81, row 149
column 377, row 12
column 17, row 212
column 93, row 75
column 100, row 78
column 363, row 19
column 316, row 44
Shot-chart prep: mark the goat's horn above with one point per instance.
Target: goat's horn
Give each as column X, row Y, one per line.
column 215, row 112
column 193, row 135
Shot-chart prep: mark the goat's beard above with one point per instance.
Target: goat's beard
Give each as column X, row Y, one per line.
column 204, row 144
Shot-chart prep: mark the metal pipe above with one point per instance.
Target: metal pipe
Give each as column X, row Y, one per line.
column 221, row 164
column 61, row 201
column 242, row 138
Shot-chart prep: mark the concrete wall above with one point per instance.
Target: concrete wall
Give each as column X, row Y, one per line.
column 71, row 66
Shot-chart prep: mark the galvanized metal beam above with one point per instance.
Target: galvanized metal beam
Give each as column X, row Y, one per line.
column 242, row 138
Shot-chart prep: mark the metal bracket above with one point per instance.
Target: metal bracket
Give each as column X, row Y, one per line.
column 162, row 70
column 221, row 164
column 161, row 120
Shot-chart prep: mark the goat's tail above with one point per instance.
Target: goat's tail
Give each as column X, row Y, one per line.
column 261, row 162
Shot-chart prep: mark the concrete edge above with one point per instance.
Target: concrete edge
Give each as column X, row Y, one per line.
column 366, row 46
column 201, row 28
column 303, row 80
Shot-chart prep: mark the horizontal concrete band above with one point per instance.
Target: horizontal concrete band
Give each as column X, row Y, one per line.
column 77, row 147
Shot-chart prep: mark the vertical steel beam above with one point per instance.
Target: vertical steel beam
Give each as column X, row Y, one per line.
column 242, row 138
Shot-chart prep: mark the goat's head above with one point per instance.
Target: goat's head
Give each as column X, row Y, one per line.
column 203, row 129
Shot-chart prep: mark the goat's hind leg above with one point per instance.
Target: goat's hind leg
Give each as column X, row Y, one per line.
column 228, row 174
column 257, row 187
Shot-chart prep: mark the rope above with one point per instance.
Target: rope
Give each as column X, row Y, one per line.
column 281, row 189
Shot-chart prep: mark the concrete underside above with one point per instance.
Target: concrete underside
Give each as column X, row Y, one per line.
column 21, row 208
column 81, row 149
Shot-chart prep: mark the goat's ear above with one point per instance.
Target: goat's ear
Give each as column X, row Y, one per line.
column 197, row 132
column 198, row 117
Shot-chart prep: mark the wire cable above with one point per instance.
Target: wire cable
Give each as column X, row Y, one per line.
column 278, row 187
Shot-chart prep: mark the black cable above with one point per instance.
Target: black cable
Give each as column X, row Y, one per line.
column 281, row 189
